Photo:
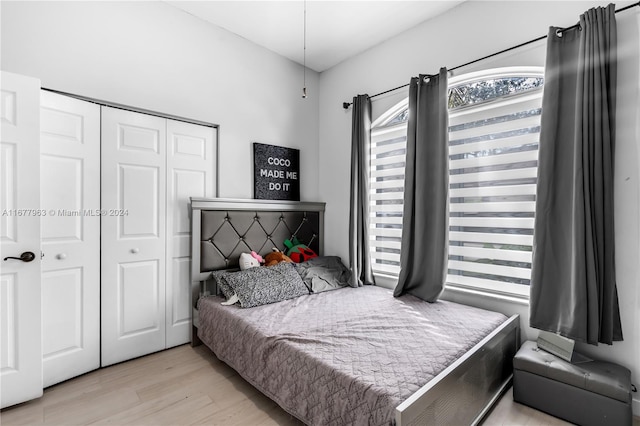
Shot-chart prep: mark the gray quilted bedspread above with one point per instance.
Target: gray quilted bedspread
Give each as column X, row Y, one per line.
column 343, row 357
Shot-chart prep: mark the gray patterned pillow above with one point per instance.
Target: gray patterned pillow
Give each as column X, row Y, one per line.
column 221, row 283
column 268, row 284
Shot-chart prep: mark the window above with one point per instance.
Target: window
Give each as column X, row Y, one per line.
column 494, row 119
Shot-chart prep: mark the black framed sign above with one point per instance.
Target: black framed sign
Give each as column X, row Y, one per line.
column 276, row 172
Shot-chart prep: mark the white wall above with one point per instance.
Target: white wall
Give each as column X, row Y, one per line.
column 470, row 31
column 153, row 56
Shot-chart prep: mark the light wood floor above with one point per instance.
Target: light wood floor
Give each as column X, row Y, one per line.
column 185, row 386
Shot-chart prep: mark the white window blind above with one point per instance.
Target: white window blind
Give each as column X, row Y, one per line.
column 493, row 159
column 493, row 149
column 388, row 145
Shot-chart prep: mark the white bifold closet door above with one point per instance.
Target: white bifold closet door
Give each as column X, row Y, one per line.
column 190, row 173
column 133, row 234
column 20, row 296
column 150, row 168
column 70, row 240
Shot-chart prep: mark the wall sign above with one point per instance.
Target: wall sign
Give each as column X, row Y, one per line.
column 276, row 172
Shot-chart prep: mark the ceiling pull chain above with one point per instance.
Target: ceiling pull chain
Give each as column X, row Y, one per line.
column 304, row 53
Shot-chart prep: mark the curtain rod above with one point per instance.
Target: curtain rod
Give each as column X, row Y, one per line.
column 346, row 105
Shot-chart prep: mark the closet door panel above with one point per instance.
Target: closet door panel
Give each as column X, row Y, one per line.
column 62, row 312
column 70, row 194
column 20, row 285
column 133, row 234
column 138, row 295
column 190, row 173
column 62, row 195
column 139, row 191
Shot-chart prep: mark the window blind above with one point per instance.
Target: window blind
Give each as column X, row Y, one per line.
column 388, row 149
column 493, row 148
column 493, row 154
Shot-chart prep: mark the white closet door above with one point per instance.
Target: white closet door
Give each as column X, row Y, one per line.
column 70, row 193
column 20, row 292
column 133, row 234
column 190, row 173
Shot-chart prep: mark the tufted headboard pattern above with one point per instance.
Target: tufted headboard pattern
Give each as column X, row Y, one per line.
column 222, row 229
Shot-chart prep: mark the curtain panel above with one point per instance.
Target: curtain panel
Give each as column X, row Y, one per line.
column 425, row 218
column 359, row 252
column 573, row 282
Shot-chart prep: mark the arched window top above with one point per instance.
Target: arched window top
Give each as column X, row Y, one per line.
column 488, row 89
column 475, row 88
column 401, row 117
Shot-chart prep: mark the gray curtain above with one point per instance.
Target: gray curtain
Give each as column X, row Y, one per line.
column 359, row 255
column 425, row 217
column 573, row 282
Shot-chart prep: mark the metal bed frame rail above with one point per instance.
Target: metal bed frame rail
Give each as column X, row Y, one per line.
column 465, row 391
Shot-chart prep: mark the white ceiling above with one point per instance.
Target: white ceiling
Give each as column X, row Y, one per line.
column 336, row 30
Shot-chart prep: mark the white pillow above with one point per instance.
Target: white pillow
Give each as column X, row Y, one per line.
column 247, row 261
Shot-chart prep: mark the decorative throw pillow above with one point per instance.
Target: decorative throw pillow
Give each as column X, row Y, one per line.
column 324, row 273
column 261, row 286
column 221, row 284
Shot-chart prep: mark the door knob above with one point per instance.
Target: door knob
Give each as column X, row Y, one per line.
column 27, row 256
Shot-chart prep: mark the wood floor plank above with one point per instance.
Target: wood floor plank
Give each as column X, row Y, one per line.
column 188, row 386
column 175, row 413
column 508, row 412
column 247, row 412
column 148, row 412
column 90, row 407
column 18, row 415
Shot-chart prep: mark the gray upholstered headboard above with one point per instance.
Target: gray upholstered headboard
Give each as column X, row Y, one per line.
column 222, row 229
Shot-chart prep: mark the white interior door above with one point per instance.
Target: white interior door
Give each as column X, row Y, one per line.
column 133, row 234
column 20, row 296
column 190, row 173
column 70, row 193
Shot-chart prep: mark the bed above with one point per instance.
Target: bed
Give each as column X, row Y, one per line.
column 350, row 355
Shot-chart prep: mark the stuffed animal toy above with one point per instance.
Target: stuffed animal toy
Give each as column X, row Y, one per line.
column 275, row 257
column 247, row 261
column 257, row 257
column 298, row 252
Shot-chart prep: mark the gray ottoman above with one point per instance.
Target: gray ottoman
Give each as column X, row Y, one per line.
column 589, row 393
